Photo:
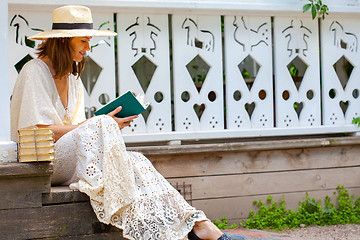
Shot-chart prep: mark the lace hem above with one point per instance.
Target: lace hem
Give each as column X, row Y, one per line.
column 165, row 216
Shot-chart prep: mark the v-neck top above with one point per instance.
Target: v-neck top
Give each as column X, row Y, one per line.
column 35, row 99
column 68, row 91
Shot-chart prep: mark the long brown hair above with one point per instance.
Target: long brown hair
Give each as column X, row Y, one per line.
column 59, row 52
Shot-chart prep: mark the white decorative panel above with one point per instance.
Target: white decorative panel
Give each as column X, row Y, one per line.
column 197, row 72
column 144, row 68
column 21, row 26
column 99, row 73
column 297, row 73
column 248, row 65
column 340, row 70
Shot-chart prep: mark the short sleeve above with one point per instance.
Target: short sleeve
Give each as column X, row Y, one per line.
column 32, row 98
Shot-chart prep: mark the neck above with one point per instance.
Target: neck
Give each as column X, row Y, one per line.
column 48, row 62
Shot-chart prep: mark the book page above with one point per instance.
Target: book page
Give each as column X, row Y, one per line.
column 141, row 100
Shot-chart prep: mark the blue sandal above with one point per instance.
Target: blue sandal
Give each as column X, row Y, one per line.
column 192, row 236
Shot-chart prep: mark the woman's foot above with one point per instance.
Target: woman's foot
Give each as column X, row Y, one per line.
column 206, row 230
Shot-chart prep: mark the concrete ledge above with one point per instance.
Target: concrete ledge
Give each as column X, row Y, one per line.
column 254, row 145
column 8, row 151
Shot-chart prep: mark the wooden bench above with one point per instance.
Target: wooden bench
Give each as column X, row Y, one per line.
column 31, row 209
column 223, row 179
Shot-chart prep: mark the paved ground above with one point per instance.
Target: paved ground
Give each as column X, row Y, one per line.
column 332, row 232
column 253, row 235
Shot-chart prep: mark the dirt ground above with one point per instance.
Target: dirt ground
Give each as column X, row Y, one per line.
column 334, row 232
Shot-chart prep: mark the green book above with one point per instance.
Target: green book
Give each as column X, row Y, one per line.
column 131, row 105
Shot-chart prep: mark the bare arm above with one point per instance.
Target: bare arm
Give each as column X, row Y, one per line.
column 60, row 130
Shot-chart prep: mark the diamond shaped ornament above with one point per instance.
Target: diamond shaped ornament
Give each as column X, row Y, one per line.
column 297, row 68
column 249, row 69
column 90, row 74
column 18, row 66
column 144, row 70
column 343, row 69
column 198, row 70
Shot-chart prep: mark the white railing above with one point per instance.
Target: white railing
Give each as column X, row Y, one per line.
column 245, row 52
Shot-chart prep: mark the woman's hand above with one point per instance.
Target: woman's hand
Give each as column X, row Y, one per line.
column 122, row 122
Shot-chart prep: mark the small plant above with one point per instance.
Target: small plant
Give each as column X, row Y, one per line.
column 223, row 224
column 245, row 74
column 310, row 212
column 356, row 121
column 294, row 72
column 317, row 8
column 274, row 216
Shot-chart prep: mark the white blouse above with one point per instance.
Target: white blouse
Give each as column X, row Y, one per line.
column 35, row 99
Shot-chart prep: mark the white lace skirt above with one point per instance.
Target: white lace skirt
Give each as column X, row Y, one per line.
column 124, row 188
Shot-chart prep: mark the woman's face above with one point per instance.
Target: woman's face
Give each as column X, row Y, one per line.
column 79, row 46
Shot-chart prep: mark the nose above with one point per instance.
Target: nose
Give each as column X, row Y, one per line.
column 87, row 46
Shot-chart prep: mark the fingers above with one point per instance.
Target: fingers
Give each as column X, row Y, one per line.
column 113, row 113
column 128, row 119
column 124, row 122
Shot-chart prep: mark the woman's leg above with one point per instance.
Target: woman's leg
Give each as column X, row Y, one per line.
column 206, row 230
column 124, row 188
column 64, row 164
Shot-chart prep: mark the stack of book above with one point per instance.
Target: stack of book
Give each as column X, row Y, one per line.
column 36, row 144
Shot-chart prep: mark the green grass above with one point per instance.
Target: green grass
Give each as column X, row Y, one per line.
column 274, row 215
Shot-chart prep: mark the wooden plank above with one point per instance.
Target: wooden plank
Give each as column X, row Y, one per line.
column 270, row 183
column 25, row 169
column 23, row 192
column 216, row 163
column 254, row 145
column 63, row 194
column 237, row 208
column 50, row 222
column 100, row 236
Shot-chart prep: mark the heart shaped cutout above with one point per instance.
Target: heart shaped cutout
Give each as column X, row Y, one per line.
column 250, row 107
column 199, row 110
column 344, row 106
column 92, row 110
column 146, row 113
column 298, row 106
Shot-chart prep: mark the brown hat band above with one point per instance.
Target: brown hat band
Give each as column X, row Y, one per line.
column 57, row 26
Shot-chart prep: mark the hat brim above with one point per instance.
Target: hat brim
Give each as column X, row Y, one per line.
column 72, row 33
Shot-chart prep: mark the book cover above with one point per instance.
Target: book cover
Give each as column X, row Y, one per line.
column 131, row 105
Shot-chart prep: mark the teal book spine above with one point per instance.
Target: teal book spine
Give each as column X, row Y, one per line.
column 130, row 106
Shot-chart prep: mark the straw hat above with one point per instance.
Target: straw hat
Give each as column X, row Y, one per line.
column 72, row 21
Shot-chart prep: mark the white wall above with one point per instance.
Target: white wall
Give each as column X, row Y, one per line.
column 7, row 148
column 281, row 10
column 4, row 93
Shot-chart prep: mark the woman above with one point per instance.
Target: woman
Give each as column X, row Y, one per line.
column 124, row 188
